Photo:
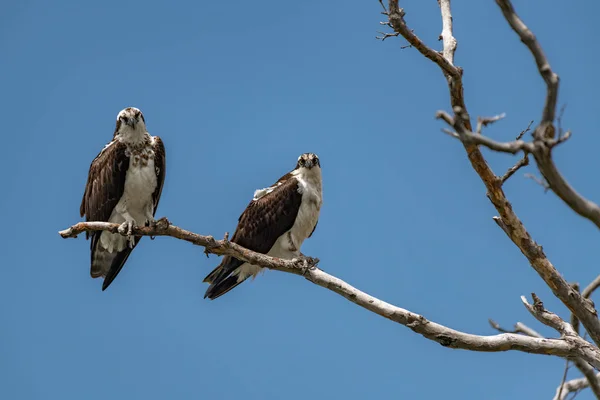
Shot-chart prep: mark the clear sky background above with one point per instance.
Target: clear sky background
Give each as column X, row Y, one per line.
column 237, row 90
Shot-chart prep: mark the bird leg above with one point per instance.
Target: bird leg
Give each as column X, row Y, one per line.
column 150, row 221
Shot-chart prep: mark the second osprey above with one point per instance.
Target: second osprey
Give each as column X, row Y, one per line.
column 276, row 222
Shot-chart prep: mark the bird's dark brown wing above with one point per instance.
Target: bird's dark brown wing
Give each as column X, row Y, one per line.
column 106, row 182
column 269, row 217
column 160, row 166
column 261, row 224
column 104, row 188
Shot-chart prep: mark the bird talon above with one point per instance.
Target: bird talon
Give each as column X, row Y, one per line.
column 305, row 267
column 122, row 229
column 308, row 264
column 129, row 228
column 160, row 224
column 126, row 229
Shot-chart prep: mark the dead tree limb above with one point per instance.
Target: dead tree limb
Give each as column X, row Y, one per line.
column 593, row 380
column 564, row 347
column 573, row 386
column 507, row 219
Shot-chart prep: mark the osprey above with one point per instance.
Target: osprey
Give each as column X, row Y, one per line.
column 276, row 222
column 124, row 185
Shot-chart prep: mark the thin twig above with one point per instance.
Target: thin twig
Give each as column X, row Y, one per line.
column 561, row 112
column 539, row 181
column 524, row 131
column 519, row 328
column 482, row 122
column 549, row 318
column 564, row 378
column 468, row 137
column 511, row 171
column 385, row 35
column 591, row 288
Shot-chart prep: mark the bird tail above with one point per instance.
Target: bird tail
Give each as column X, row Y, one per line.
column 116, row 267
column 222, row 279
column 220, row 287
column 210, row 278
column 108, row 264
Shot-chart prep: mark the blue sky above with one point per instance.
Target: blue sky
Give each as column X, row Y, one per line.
column 237, row 91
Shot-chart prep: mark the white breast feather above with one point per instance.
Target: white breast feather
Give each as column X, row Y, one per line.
column 136, row 202
column 309, row 185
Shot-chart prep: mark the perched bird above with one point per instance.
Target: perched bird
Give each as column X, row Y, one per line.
column 276, row 222
column 124, row 185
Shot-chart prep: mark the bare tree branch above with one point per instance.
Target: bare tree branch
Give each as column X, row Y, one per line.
column 586, row 294
column 540, row 181
column 573, row 386
column 564, row 378
column 511, row 171
column 524, row 131
column 543, row 65
column 386, row 35
column 522, row 162
column 213, row 246
column 545, row 131
column 467, row 137
column 447, row 35
column 554, row 321
column 564, row 347
column 396, row 19
column 591, row 378
column 485, row 121
column 507, row 219
column 567, row 332
column 519, row 328
column 589, row 289
column 581, row 364
column 548, row 318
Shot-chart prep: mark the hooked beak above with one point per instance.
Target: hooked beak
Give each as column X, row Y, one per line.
column 130, row 122
column 308, row 164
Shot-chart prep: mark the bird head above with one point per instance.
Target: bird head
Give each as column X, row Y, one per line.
column 130, row 118
column 308, row 160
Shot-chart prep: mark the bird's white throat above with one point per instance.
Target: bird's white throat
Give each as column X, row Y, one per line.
column 133, row 136
column 311, row 177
